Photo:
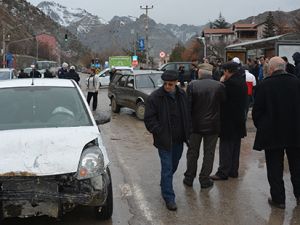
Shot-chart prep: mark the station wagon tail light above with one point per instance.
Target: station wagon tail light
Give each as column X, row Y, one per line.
column 91, row 163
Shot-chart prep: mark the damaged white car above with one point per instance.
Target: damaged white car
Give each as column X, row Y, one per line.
column 52, row 154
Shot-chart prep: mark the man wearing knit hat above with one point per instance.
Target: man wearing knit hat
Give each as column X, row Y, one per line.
column 167, row 118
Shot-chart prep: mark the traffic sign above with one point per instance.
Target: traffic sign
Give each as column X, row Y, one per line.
column 162, row 54
column 141, row 44
column 135, row 63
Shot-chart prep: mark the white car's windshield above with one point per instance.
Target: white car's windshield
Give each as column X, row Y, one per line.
column 42, row 107
column 4, row 75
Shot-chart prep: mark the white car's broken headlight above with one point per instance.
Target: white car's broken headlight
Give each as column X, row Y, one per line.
column 91, row 163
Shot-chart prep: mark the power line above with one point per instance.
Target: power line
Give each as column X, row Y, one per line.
column 147, row 8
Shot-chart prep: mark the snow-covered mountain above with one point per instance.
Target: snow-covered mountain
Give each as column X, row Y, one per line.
column 68, row 17
column 119, row 31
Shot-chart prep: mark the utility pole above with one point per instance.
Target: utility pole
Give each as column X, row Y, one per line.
column 3, row 44
column 147, row 33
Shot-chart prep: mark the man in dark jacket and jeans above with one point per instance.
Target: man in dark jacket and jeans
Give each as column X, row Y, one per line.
column 275, row 114
column 167, row 118
column 205, row 97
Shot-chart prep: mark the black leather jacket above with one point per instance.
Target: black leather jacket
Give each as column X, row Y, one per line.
column 205, row 97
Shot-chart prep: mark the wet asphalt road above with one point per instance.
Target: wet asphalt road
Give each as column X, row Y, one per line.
column 136, row 173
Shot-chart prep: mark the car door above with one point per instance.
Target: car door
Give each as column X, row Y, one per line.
column 130, row 95
column 120, row 90
column 187, row 72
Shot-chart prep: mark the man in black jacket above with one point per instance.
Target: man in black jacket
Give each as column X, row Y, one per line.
column 73, row 75
column 205, row 97
column 35, row 73
column 275, row 114
column 233, row 126
column 167, row 118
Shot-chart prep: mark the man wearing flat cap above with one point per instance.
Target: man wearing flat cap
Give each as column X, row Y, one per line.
column 167, row 118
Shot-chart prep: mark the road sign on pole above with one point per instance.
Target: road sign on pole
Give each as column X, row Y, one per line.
column 162, row 54
column 142, row 44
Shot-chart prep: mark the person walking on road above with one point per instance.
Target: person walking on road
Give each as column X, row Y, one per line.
column 73, row 75
column 181, row 76
column 92, row 89
column 22, row 74
column 233, row 123
column 34, row 73
column 205, row 96
column 167, row 118
column 62, row 72
column 275, row 114
column 48, row 74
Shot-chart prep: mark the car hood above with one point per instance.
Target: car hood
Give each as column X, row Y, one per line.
column 41, row 152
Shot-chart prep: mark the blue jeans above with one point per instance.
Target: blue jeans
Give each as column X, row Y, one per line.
column 169, row 162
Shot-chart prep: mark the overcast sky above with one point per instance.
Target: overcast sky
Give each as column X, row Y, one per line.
column 196, row 12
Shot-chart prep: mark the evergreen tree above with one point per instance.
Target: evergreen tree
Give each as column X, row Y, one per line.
column 220, row 23
column 269, row 29
column 176, row 55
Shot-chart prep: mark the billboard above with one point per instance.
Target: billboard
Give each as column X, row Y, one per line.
column 120, row 61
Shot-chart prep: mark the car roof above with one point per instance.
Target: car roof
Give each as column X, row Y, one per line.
column 122, row 68
column 27, row 82
column 6, row 69
column 142, row 72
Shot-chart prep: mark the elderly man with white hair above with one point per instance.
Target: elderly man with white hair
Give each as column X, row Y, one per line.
column 275, row 114
column 205, row 96
column 63, row 71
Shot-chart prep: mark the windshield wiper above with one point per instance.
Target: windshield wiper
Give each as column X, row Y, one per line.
column 152, row 81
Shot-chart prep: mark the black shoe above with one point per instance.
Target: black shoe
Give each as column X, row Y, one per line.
column 188, row 182
column 275, row 204
column 171, row 206
column 216, row 177
column 207, row 184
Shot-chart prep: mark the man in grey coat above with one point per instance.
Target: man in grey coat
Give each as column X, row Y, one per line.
column 205, row 96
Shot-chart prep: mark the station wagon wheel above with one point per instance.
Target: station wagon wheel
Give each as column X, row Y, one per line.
column 114, row 106
column 140, row 110
column 105, row 212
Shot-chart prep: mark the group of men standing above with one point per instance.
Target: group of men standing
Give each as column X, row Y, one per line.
column 211, row 109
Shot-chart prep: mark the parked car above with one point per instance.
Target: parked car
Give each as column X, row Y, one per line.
column 53, row 157
column 104, row 75
column 7, row 74
column 175, row 66
column 132, row 90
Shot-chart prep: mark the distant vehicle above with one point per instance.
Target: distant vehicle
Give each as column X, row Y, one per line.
column 27, row 70
column 104, row 75
column 7, row 74
column 51, row 65
column 175, row 66
column 132, row 90
column 53, row 154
